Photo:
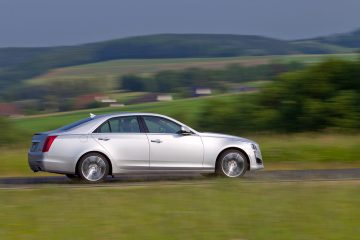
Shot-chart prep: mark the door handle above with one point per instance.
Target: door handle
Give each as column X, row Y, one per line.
column 104, row 139
column 156, row 141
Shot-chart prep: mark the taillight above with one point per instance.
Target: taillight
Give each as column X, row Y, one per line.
column 48, row 142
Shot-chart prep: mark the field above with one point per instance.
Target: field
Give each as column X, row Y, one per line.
column 292, row 151
column 108, row 71
column 218, row 209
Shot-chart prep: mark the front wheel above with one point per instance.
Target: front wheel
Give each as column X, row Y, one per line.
column 231, row 163
column 93, row 168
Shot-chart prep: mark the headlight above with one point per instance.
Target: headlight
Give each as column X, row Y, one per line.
column 253, row 146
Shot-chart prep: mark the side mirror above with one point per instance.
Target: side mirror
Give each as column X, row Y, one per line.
column 185, row 131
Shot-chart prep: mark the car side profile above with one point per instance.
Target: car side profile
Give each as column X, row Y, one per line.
column 98, row 146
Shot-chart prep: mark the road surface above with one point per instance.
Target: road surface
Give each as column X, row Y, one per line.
column 179, row 178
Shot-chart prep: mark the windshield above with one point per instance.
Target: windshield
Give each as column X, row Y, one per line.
column 75, row 124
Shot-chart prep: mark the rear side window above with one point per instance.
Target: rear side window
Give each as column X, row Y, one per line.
column 128, row 124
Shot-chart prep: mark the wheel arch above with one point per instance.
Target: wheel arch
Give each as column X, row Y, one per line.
column 98, row 152
column 233, row 148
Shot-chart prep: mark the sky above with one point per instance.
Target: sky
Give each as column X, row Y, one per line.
column 67, row 22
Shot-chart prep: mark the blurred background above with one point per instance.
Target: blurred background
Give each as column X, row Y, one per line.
column 284, row 73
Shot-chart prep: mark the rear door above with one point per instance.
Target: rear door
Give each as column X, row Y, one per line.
column 126, row 143
column 169, row 149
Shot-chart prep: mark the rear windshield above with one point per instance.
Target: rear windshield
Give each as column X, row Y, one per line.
column 75, row 124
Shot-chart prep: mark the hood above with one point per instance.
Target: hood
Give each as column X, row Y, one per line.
column 218, row 135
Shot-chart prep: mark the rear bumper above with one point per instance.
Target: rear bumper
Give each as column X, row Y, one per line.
column 39, row 161
column 36, row 161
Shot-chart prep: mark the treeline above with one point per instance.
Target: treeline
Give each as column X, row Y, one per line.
column 60, row 88
column 322, row 97
column 173, row 81
column 55, row 95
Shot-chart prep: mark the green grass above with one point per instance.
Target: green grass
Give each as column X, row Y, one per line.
column 309, row 150
column 223, row 209
column 107, row 72
column 14, row 162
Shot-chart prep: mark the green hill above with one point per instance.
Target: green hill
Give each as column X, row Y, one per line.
column 348, row 40
column 22, row 63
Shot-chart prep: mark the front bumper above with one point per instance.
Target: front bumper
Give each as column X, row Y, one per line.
column 257, row 160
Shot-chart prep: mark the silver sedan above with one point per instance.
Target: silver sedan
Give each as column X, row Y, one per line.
column 98, row 146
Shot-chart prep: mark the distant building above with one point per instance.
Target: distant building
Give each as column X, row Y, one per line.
column 164, row 98
column 104, row 99
column 117, row 105
column 150, row 97
column 10, row 110
column 98, row 97
column 108, row 100
column 201, row 91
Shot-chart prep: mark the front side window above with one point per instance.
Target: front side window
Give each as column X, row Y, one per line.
column 128, row 124
column 161, row 125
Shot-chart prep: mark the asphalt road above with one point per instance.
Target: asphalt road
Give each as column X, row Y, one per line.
column 180, row 178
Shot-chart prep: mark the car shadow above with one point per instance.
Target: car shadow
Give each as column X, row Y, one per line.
column 123, row 178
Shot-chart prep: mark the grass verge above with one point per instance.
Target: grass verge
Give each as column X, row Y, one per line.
column 226, row 209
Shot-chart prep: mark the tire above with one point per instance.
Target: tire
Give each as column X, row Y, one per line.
column 93, row 168
column 232, row 163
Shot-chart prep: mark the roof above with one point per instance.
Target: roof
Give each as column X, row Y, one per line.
column 116, row 114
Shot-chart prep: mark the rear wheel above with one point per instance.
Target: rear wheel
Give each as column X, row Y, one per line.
column 232, row 163
column 93, row 168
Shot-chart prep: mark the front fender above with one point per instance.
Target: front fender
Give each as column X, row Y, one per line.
column 214, row 147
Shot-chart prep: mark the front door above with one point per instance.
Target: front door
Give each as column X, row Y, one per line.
column 171, row 150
